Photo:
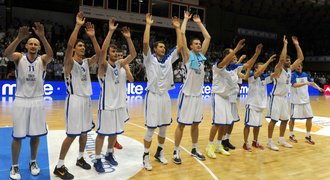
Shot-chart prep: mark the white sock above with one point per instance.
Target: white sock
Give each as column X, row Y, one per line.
column 176, row 148
column 14, row 165
column 97, row 156
column 291, row 133
column 218, row 143
column 31, row 161
column 270, row 140
column 194, row 145
column 109, row 150
column 228, row 136
column 210, row 143
column 161, row 145
column 60, row 163
column 308, row 134
column 281, row 139
column 80, row 155
column 146, row 150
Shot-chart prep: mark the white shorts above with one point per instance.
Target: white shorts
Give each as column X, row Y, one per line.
column 221, row 110
column 253, row 116
column 234, row 112
column 301, row 111
column 157, row 110
column 278, row 108
column 111, row 122
column 190, row 109
column 29, row 117
column 78, row 115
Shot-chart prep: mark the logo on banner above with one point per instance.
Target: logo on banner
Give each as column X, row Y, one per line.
column 326, row 90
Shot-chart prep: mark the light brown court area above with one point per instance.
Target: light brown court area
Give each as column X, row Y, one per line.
column 303, row 161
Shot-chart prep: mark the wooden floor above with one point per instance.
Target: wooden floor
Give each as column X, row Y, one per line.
column 303, row 161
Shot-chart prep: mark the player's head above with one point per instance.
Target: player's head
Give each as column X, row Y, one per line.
column 287, row 62
column 113, row 53
column 299, row 68
column 79, row 48
column 195, row 45
column 226, row 52
column 33, row 45
column 120, row 54
column 159, row 48
column 257, row 65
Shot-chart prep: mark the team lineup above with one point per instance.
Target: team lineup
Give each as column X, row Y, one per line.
column 29, row 119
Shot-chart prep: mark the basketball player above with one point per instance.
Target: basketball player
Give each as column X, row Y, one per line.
column 127, row 75
column 112, row 102
column 190, row 103
column 223, row 86
column 278, row 109
column 235, row 71
column 300, row 103
column 256, row 102
column 157, row 102
column 29, row 111
column 78, row 112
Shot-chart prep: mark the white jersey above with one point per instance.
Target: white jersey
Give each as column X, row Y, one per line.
column 233, row 70
column 194, row 80
column 111, row 95
column 300, row 95
column 282, row 84
column 78, row 82
column 223, row 83
column 257, row 96
column 123, row 82
column 160, row 73
column 30, row 77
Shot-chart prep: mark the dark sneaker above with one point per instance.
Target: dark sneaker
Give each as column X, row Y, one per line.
column 293, row 139
column 111, row 159
column 176, row 157
column 99, row 166
column 83, row 164
column 160, row 156
column 309, row 140
column 34, row 168
column 227, row 144
column 197, row 154
column 14, row 173
column 256, row 144
column 63, row 173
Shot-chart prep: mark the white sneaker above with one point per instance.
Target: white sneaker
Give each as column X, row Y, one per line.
column 14, row 173
column 221, row 150
column 34, row 168
column 285, row 144
column 272, row 146
column 146, row 162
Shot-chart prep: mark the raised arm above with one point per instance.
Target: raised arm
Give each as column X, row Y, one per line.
column 279, row 65
column 40, row 32
column 206, row 35
column 241, row 59
column 146, row 35
column 112, row 27
column 68, row 61
column 129, row 74
column 176, row 25
column 251, row 61
column 229, row 57
column 132, row 52
column 185, row 50
column 90, row 31
column 300, row 55
column 10, row 53
column 263, row 67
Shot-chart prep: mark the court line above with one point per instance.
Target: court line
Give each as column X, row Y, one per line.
column 200, row 162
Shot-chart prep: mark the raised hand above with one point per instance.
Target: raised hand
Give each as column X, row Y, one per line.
column 295, row 40
column 187, row 15
column 285, row 41
column 126, row 32
column 80, row 20
column 272, row 58
column 112, row 24
column 240, row 45
column 90, row 31
column 23, row 32
column 176, row 22
column 149, row 19
column 259, row 48
column 39, row 29
column 197, row 19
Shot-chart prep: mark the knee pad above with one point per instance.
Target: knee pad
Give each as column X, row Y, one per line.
column 162, row 131
column 148, row 136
